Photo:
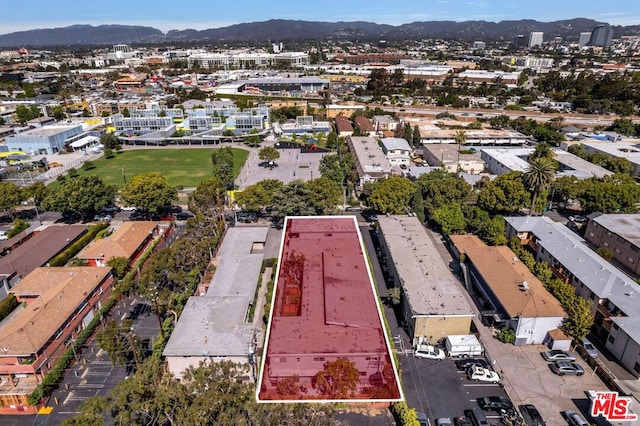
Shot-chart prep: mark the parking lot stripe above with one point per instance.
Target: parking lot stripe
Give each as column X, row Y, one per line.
column 481, row 384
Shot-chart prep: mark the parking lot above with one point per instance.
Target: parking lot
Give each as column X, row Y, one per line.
column 291, row 165
column 439, row 389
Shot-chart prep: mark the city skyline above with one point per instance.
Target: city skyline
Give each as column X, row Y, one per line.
column 199, row 14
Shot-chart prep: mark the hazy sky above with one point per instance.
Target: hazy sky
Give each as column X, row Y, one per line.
column 199, row 14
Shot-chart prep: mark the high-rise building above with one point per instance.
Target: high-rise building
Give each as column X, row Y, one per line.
column 584, row 38
column 519, row 41
column 536, row 38
column 601, row 36
column 479, row 45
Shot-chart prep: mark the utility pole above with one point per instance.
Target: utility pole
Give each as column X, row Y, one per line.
column 133, row 347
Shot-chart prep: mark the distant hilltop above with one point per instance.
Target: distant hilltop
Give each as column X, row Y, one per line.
column 279, row 29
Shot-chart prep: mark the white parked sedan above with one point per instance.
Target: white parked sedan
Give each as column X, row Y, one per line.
column 482, row 374
column 429, row 352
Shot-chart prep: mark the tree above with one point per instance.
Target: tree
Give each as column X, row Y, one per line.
column 58, row 113
column 269, row 155
column 120, row 265
column 450, row 219
column 331, row 168
column 148, row 192
column 37, row 191
column 439, row 188
column 408, row 132
column 222, row 161
column 125, row 112
column 84, row 195
column 253, row 198
column 253, row 139
column 10, row 196
column 339, row 379
column 417, row 138
column 208, row 197
column 504, row 195
column 579, row 318
column 92, row 413
column 461, row 139
column 539, row 177
column 392, row 195
column 26, row 113
column 114, row 341
column 293, row 200
column 109, row 141
column 289, row 386
column 542, row 150
column 19, row 225
column 324, row 195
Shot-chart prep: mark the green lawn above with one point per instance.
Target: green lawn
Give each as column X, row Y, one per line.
column 181, row 167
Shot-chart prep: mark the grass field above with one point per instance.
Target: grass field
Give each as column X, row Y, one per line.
column 181, row 167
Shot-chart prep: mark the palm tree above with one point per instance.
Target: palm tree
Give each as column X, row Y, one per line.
column 543, row 150
column 461, row 138
column 539, row 177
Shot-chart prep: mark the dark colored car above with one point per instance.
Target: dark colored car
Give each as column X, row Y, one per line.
column 462, row 421
column 182, row 215
column 246, row 217
column 463, row 364
column 495, row 403
column 531, row 415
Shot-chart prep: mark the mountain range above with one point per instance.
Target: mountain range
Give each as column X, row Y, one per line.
column 287, row 30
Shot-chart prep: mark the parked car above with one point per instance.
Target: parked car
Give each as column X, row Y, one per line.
column 182, row 215
column 462, row 421
column 463, row 364
column 444, row 421
column 588, row 346
column 110, row 209
column 495, row 403
column 128, row 208
column 423, row 420
column 429, row 352
column 482, row 374
column 3, row 236
column 102, row 218
column 531, row 415
column 578, row 219
column 558, row 355
column 246, row 217
column 562, row 368
column 574, row 419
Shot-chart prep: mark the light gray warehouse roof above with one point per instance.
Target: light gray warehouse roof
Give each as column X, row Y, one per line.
column 429, row 285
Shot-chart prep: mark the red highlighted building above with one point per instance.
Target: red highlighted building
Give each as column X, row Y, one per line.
column 326, row 340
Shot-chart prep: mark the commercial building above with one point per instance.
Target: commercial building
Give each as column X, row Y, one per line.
column 214, row 326
column 504, row 160
column 490, row 77
column 44, row 140
column 304, row 125
column 433, row 300
column 619, row 234
column 371, row 161
column 536, row 39
column 613, row 295
column 616, row 148
column 247, row 60
column 601, row 36
column 57, row 304
column 482, row 137
column 513, row 296
column 584, row 38
column 270, row 85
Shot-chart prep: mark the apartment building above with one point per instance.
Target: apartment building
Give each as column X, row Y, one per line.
column 619, row 234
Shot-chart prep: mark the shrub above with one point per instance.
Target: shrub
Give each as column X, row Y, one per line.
column 7, row 305
column 506, row 335
column 404, row 415
column 19, row 225
column 63, row 257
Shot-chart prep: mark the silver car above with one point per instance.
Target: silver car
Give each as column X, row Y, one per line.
column 558, row 355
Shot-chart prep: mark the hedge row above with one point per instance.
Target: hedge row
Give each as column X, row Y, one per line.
column 7, row 305
column 63, row 257
column 404, row 415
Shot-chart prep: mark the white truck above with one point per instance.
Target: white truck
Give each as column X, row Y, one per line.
column 463, row 345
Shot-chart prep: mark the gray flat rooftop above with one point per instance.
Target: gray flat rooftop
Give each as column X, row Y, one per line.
column 626, row 226
column 47, row 131
column 238, row 269
column 568, row 248
column 370, row 155
column 212, row 326
column 429, row 285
